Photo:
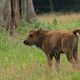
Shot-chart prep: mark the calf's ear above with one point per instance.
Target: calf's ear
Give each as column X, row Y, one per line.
column 39, row 31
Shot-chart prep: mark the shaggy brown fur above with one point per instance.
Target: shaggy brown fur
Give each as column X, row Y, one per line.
column 55, row 42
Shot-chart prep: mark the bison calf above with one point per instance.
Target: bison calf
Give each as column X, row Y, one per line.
column 55, row 42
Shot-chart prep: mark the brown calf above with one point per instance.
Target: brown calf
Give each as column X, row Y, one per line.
column 55, row 42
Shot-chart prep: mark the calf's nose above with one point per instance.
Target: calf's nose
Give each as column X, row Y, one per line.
column 24, row 41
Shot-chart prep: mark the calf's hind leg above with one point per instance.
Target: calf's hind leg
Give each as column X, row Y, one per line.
column 75, row 48
column 69, row 55
column 71, row 58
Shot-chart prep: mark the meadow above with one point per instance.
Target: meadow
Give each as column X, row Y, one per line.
column 21, row 62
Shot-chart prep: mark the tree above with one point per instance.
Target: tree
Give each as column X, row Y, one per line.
column 15, row 10
column 51, row 5
column 27, row 10
column 11, row 16
column 30, row 10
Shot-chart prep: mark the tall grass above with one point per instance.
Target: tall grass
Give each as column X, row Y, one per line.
column 20, row 62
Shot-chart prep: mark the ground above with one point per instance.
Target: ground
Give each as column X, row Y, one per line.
column 21, row 62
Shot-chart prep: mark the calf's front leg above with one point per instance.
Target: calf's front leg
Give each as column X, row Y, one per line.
column 49, row 60
column 57, row 59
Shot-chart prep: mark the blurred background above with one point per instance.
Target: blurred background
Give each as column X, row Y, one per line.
column 17, row 18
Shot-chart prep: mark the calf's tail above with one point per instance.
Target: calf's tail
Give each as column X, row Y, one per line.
column 76, row 31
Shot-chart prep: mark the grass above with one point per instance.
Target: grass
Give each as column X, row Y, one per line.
column 20, row 62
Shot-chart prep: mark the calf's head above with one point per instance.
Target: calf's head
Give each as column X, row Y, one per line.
column 33, row 37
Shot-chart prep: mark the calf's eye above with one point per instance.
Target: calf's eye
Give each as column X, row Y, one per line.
column 30, row 35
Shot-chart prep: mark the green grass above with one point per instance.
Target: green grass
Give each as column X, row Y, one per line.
column 20, row 62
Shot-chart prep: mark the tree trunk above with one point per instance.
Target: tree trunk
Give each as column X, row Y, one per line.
column 27, row 10
column 30, row 11
column 23, row 8
column 17, row 12
column 13, row 12
column 51, row 5
column 2, row 4
column 7, row 15
column 11, row 16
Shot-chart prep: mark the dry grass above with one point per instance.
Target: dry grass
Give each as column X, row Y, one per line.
column 35, row 71
column 62, row 18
